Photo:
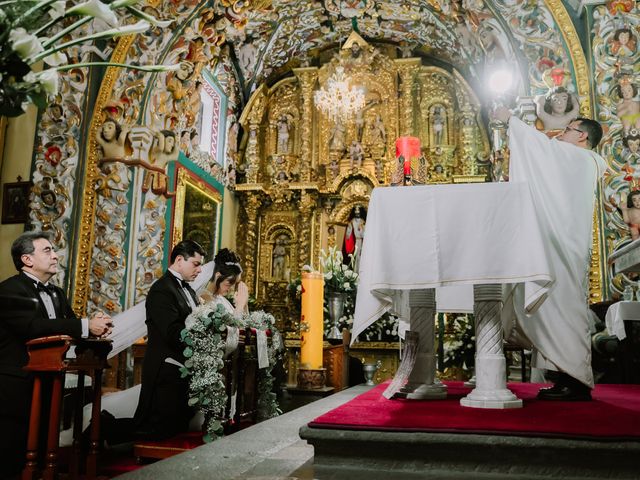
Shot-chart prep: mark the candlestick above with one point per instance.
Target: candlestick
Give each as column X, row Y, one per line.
column 312, row 320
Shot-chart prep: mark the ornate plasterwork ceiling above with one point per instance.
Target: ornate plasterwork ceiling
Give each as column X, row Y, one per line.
column 269, row 37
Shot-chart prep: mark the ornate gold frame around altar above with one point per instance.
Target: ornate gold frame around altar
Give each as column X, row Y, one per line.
column 197, row 212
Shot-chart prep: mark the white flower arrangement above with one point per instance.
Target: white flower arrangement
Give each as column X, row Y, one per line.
column 24, row 26
column 204, row 339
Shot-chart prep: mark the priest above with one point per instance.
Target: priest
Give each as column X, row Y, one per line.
column 563, row 174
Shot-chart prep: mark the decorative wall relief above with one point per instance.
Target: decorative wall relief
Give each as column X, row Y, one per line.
column 615, row 57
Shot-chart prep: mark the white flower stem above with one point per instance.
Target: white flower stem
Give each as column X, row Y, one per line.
column 144, row 68
column 114, row 32
column 67, row 30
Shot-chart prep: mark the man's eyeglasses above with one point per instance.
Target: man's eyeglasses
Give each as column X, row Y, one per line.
column 569, row 128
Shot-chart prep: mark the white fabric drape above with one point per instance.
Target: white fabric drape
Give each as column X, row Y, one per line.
column 448, row 235
column 563, row 179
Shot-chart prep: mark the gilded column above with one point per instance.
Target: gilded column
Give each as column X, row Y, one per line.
column 407, row 69
column 251, row 204
column 307, row 78
column 251, row 120
column 306, row 207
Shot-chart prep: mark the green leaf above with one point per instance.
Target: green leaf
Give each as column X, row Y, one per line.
column 193, row 401
column 188, row 352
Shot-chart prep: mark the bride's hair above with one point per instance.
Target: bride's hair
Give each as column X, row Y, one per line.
column 227, row 264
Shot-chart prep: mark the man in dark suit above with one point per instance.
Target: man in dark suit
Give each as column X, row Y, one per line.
column 163, row 409
column 30, row 307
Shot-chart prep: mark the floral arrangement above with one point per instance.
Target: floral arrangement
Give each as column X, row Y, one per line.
column 459, row 344
column 338, row 276
column 204, row 337
column 26, row 39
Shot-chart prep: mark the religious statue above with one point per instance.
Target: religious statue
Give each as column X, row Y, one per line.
column 354, row 235
column 631, row 142
column 178, row 83
column 623, row 43
column 165, row 150
column 334, row 168
column 438, row 123
column 378, row 133
column 284, row 125
column 111, row 137
column 336, row 138
column 280, row 257
column 356, row 154
column 631, row 213
column 628, row 109
column 438, row 175
column 557, row 108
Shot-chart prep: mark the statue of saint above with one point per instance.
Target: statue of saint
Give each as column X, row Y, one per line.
column 631, row 213
column 438, row 123
column 354, row 235
column 336, row 138
column 283, row 134
column 378, row 133
column 280, row 257
column 357, row 155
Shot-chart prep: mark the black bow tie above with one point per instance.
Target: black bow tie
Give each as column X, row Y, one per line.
column 45, row 288
column 186, row 285
column 189, row 289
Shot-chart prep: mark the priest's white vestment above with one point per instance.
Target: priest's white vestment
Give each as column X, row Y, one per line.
column 563, row 180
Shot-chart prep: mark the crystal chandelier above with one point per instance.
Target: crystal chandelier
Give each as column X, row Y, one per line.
column 338, row 100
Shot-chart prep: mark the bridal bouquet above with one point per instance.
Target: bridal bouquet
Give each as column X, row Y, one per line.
column 204, row 337
column 41, row 32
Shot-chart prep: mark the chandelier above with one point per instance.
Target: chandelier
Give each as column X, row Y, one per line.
column 338, row 100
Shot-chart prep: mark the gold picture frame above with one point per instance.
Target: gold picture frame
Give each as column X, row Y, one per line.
column 197, row 212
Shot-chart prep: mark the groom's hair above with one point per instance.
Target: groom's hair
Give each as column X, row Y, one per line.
column 186, row 248
column 592, row 129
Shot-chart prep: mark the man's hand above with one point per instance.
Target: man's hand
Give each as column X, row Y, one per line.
column 242, row 297
column 502, row 114
column 100, row 325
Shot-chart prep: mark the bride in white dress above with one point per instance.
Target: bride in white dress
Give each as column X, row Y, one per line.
column 226, row 276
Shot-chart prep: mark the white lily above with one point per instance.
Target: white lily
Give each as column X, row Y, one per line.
column 56, row 9
column 123, row 3
column 56, row 59
column 27, row 46
column 95, row 9
column 49, row 80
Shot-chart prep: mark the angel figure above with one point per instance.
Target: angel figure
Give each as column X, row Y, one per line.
column 557, row 108
column 111, row 137
column 165, row 150
column 628, row 109
column 631, row 213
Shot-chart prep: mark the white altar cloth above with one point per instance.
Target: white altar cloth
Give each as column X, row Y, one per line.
column 443, row 235
column 617, row 314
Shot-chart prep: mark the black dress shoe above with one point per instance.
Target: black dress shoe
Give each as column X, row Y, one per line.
column 565, row 393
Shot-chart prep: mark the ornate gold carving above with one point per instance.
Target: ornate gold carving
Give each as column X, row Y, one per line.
column 566, row 27
column 407, row 70
column 80, row 287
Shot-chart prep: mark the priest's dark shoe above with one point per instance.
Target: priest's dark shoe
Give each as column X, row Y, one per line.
column 568, row 390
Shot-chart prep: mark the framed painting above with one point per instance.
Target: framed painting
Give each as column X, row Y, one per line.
column 15, row 202
column 198, row 207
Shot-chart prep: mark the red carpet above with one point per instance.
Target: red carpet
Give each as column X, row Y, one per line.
column 614, row 414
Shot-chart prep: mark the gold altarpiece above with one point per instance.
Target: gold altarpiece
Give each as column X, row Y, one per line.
column 301, row 174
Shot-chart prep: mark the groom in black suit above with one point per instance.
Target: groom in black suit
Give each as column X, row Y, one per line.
column 30, row 307
column 163, row 409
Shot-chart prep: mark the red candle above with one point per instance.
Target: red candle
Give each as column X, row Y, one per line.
column 407, row 167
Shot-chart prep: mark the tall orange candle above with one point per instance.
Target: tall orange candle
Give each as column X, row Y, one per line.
column 409, row 149
column 311, row 331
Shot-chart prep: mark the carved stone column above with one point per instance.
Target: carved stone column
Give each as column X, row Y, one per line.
column 306, row 207
column 251, row 204
column 491, row 366
column 422, row 382
column 307, row 78
column 407, row 69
